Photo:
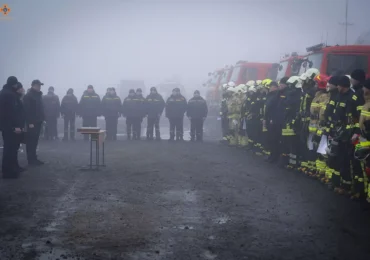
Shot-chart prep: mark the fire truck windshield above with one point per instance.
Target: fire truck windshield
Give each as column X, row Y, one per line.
column 312, row 61
column 224, row 78
column 235, row 74
column 282, row 70
column 346, row 63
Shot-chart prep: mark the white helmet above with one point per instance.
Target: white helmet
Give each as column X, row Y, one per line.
column 296, row 81
column 231, row 84
column 252, row 89
column 224, row 87
column 303, row 77
column 312, row 73
column 251, row 83
column 259, row 82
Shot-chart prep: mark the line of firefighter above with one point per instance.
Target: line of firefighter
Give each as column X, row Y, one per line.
column 134, row 108
column 291, row 120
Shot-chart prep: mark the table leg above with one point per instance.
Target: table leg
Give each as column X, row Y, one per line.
column 91, row 152
column 103, row 154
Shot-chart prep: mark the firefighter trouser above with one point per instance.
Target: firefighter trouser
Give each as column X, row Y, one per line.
column 243, row 138
column 176, row 127
column 133, row 125
column 10, row 151
column 69, row 127
column 345, row 156
column 358, row 175
column 51, row 131
column 153, row 122
column 252, row 131
column 274, row 138
column 111, row 124
column 225, row 126
column 89, row 121
column 233, row 131
column 196, row 129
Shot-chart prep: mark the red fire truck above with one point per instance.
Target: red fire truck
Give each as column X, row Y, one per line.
column 337, row 59
column 289, row 65
column 244, row 71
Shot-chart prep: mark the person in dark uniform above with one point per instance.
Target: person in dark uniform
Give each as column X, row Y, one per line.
column 111, row 108
column 52, row 113
column 89, row 108
column 345, row 116
column 271, row 122
column 68, row 110
column 12, row 124
column 131, row 113
column 197, row 111
column 34, row 111
column 154, row 109
column 176, row 106
column 141, row 112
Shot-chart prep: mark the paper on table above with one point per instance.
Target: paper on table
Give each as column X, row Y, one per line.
column 323, row 145
column 309, row 142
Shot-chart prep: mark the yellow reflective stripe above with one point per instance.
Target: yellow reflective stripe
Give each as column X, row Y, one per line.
column 367, row 143
column 354, row 97
column 342, row 104
column 359, row 108
column 349, row 126
column 315, row 104
column 319, row 132
column 332, row 102
column 357, row 125
column 365, row 113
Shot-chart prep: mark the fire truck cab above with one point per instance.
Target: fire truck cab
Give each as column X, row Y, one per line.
column 332, row 60
column 289, row 65
column 244, row 71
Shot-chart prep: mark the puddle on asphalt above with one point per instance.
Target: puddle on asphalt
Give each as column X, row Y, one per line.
column 184, row 195
column 222, row 220
column 209, row 255
column 60, row 254
column 185, row 227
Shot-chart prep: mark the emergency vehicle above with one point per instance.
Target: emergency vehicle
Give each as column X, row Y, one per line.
column 337, row 59
column 289, row 66
column 244, row 71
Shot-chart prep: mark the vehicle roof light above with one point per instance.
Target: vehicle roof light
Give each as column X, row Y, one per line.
column 316, row 47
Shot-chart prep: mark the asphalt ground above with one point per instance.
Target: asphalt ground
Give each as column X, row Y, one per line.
column 174, row 201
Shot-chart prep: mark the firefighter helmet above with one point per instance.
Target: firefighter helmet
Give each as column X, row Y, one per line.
column 295, row 81
column 231, row 84
column 251, row 83
column 321, row 81
column 312, row 73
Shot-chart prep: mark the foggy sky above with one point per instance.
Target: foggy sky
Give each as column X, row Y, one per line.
column 74, row 43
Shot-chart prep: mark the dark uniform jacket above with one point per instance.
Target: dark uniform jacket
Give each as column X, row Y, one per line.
column 51, row 105
column 33, row 106
column 134, row 106
column 345, row 115
column 176, row 106
column 197, row 108
column 69, row 106
column 111, row 106
column 272, row 100
column 12, row 113
column 90, row 105
column 329, row 111
column 154, row 105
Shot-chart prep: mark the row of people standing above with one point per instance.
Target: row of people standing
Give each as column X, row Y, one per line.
column 294, row 120
column 134, row 108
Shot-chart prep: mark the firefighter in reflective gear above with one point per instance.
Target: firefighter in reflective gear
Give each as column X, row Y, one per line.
column 332, row 89
column 89, row 108
column 270, row 121
column 197, row 111
column 357, row 79
column 242, row 140
column 52, row 113
column 283, row 122
column 224, row 114
column 176, row 106
column 155, row 106
column 317, row 124
column 68, row 110
column 265, row 85
column 309, row 91
column 245, row 110
column 345, row 115
column 234, row 116
column 111, row 108
column 294, row 92
column 251, row 114
column 364, row 125
column 133, row 109
column 261, row 99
